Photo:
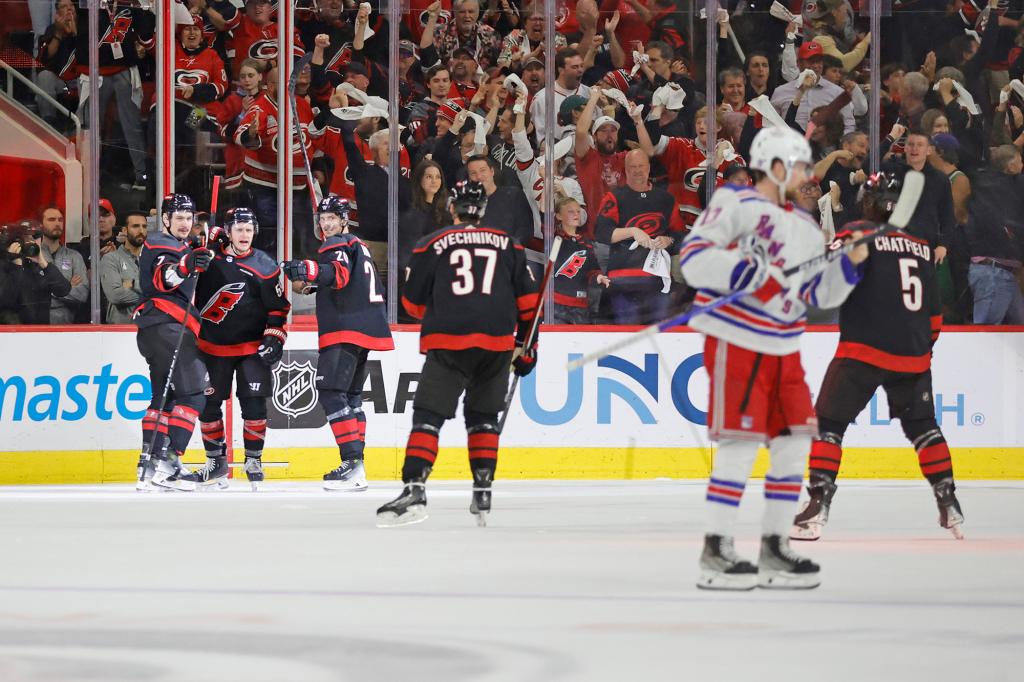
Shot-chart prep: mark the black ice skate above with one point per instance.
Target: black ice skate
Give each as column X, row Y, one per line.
column 780, row 568
column 349, row 477
column 813, row 514
column 168, row 476
column 409, row 507
column 950, row 515
column 722, row 569
column 254, row 471
column 213, row 473
column 481, row 504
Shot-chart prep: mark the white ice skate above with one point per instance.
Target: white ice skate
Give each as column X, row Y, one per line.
column 168, row 477
column 349, row 477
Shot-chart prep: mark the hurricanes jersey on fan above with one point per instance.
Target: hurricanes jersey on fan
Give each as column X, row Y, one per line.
column 470, row 286
column 239, row 297
column 162, row 297
column 788, row 236
column 655, row 212
column 575, row 266
column 352, row 309
column 893, row 317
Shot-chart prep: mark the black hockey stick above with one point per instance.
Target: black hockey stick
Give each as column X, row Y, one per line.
column 556, row 245
column 181, row 332
column 913, row 184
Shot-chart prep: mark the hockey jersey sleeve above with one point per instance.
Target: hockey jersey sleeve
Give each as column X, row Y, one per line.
column 418, row 282
column 705, row 258
column 278, row 307
column 335, row 265
column 830, row 286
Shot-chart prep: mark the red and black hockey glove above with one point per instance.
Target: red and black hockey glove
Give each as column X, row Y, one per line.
column 523, row 361
column 218, row 237
column 301, row 270
column 195, row 261
column 272, row 347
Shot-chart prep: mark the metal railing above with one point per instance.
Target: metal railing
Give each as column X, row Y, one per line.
column 13, row 74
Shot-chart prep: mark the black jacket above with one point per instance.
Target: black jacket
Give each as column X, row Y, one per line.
column 37, row 286
column 933, row 220
column 995, row 221
column 371, row 182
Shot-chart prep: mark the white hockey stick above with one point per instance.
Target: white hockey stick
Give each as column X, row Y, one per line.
column 913, row 184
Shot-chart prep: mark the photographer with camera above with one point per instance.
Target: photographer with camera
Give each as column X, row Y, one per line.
column 36, row 280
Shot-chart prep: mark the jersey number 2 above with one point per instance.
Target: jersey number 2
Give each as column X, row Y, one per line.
column 464, row 282
column 372, row 274
column 910, row 283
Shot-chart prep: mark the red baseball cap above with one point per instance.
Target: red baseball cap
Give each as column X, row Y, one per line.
column 106, row 205
column 810, row 50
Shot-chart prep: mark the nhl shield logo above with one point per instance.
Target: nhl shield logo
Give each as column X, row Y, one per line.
column 294, row 392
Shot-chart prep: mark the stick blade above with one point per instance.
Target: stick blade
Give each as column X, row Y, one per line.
column 913, row 186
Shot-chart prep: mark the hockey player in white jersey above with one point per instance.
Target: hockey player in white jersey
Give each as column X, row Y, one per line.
column 742, row 242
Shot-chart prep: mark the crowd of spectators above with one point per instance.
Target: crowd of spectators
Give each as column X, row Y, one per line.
column 631, row 156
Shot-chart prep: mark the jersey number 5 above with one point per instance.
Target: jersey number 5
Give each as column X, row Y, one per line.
column 910, row 283
column 464, row 282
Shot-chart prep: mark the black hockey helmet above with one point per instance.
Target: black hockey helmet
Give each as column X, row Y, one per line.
column 468, row 199
column 331, row 203
column 241, row 214
column 177, row 202
column 882, row 191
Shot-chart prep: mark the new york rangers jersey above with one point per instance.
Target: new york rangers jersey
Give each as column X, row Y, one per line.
column 788, row 236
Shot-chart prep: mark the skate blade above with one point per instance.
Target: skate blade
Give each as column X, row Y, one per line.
column 957, row 531
column 714, row 580
column 808, row 533
column 255, row 486
column 175, row 486
column 781, row 580
column 481, row 518
column 215, row 484
column 345, row 486
column 416, row 514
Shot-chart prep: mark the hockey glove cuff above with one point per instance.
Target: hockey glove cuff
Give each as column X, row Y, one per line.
column 272, row 347
column 195, row 261
column 523, row 361
column 301, row 270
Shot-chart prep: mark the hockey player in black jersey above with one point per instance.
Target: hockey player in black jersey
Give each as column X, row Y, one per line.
column 243, row 312
column 887, row 328
column 351, row 320
column 167, row 268
column 471, row 287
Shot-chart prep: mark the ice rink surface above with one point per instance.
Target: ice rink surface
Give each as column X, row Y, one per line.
column 571, row 581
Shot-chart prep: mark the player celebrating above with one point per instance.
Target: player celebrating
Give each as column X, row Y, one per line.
column 351, row 321
column 470, row 285
column 243, row 311
column 887, row 328
column 752, row 354
column 167, row 263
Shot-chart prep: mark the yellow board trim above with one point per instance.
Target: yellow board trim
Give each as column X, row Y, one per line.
column 118, row 466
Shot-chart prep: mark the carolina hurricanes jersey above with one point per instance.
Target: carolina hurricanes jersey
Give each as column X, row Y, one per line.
column 470, row 286
column 163, row 300
column 239, row 299
column 686, row 164
column 893, row 317
column 788, row 236
column 654, row 211
column 575, row 266
column 247, row 40
column 330, row 144
column 352, row 309
column 119, row 30
column 261, row 161
column 203, row 68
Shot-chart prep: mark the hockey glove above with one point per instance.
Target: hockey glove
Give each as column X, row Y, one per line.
column 272, row 347
column 218, row 237
column 195, row 261
column 301, row 270
column 523, row 362
column 754, row 275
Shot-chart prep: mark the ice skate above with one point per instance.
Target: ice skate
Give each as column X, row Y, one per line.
column 780, row 568
column 213, row 474
column 722, row 569
column 813, row 515
column 481, row 504
column 254, row 471
column 144, row 472
column 408, row 508
column 349, row 477
column 168, row 477
column 950, row 515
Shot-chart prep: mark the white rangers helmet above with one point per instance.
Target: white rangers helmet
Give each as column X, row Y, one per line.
column 784, row 144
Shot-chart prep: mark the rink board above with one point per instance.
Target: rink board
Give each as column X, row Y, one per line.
column 71, row 401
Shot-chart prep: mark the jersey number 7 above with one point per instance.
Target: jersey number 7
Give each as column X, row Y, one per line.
column 464, row 282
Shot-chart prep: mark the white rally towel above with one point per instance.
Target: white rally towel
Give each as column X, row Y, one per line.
column 659, row 264
column 671, row 96
column 780, row 11
column 763, row 106
column 963, row 98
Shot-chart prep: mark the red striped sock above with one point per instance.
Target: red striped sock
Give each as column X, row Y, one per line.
column 825, row 459
column 423, row 445
column 180, row 424
column 213, row 435
column 254, row 433
column 936, row 462
column 483, row 445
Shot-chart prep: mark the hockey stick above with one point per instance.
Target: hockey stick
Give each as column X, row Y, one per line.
column 556, row 246
column 314, row 189
column 913, row 184
column 181, row 332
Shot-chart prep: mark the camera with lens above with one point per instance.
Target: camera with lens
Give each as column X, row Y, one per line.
column 22, row 233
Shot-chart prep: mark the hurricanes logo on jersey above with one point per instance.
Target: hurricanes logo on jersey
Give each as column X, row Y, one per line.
column 571, row 267
column 648, row 222
column 118, row 29
column 263, row 49
column 223, row 302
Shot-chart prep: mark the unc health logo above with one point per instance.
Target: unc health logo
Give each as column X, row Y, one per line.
column 294, row 392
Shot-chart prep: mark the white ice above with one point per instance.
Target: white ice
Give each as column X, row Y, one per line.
column 570, row 581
